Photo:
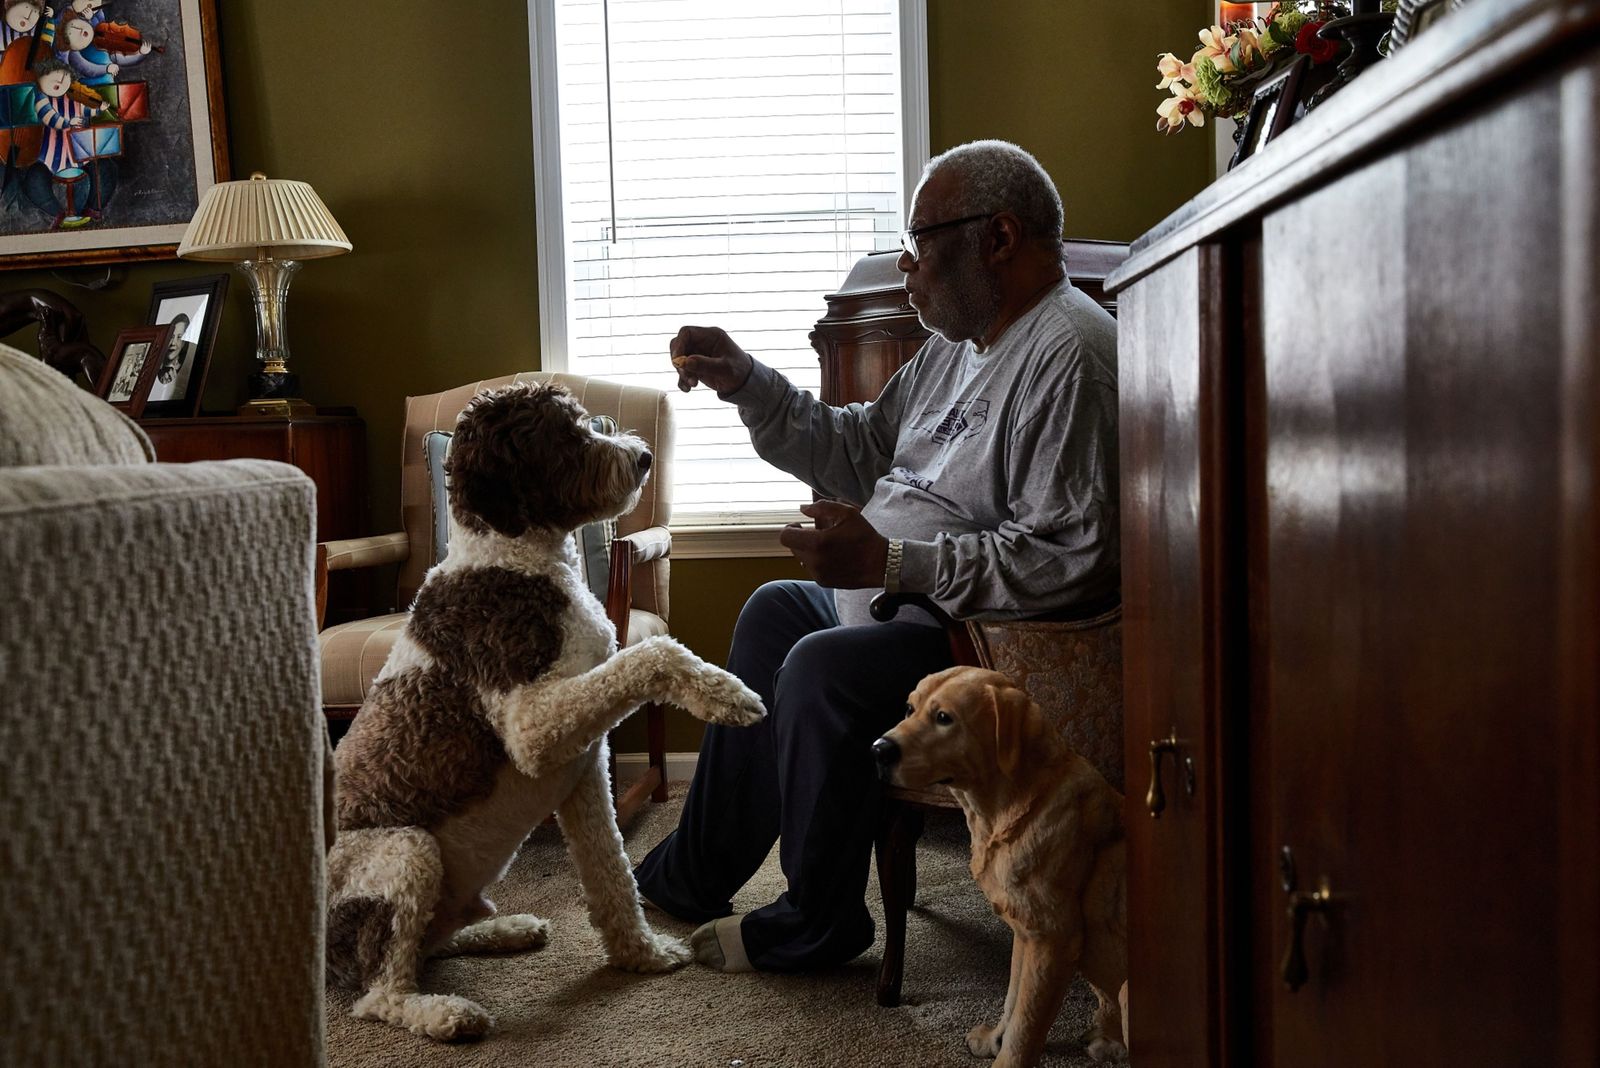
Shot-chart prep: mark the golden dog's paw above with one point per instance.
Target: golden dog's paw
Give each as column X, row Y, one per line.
column 984, row 1041
column 718, row 697
column 1106, row 1051
column 657, row 953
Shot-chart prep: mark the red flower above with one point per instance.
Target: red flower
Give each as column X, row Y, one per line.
column 1308, row 42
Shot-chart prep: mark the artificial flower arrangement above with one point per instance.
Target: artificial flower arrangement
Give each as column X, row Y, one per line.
column 1221, row 77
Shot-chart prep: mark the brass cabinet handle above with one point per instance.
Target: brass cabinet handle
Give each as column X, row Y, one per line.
column 1156, row 799
column 1302, row 903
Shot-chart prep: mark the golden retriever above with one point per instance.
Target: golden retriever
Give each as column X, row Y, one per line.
column 1048, row 850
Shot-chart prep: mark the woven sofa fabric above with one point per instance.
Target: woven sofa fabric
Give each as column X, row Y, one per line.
column 645, row 412
column 593, row 539
column 46, row 418
column 161, row 766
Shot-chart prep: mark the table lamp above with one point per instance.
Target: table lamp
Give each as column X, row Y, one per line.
column 266, row 226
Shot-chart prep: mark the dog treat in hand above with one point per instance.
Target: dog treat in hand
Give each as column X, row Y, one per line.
column 679, row 361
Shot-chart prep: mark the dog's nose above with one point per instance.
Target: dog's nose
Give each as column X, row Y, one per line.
column 644, row 461
column 886, row 751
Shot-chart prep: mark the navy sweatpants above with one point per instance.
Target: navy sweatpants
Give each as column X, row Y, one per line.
column 804, row 776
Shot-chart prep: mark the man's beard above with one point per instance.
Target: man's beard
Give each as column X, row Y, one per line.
column 965, row 304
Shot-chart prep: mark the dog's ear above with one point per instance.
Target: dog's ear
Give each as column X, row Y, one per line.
column 1011, row 726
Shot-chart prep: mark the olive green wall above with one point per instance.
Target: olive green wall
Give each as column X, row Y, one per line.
column 424, row 154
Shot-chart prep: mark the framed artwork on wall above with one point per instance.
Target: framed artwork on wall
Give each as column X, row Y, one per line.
column 135, row 358
column 193, row 308
column 1272, row 109
column 111, row 128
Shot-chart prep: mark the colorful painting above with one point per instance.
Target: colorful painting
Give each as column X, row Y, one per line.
column 111, row 127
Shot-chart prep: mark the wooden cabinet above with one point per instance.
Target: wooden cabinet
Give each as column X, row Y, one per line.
column 1360, row 462
column 871, row 329
column 332, row 449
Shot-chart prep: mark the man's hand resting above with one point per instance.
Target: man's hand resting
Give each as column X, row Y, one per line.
column 843, row 551
column 707, row 354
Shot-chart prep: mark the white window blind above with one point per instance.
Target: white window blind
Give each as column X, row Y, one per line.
column 721, row 164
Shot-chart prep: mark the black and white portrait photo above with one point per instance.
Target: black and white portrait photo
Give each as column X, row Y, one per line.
column 193, row 308
column 177, row 363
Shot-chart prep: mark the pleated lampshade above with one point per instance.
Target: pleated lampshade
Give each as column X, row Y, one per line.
column 285, row 218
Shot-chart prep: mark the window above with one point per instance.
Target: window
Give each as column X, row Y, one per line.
column 722, row 164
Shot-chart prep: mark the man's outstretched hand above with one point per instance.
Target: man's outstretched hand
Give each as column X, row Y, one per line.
column 842, row 551
column 707, row 354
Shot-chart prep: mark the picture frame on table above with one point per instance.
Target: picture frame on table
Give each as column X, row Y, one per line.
column 193, row 306
column 1272, row 109
column 104, row 160
column 131, row 368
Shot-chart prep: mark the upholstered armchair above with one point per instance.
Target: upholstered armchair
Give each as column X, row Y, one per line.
column 635, row 585
column 1070, row 665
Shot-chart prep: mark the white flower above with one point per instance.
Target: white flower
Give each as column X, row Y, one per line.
column 1173, row 69
column 1180, row 108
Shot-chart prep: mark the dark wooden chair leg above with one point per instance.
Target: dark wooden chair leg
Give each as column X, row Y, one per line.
column 897, row 878
column 655, row 719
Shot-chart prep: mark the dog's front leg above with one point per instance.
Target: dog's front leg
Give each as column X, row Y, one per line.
column 1047, row 969
column 550, row 723
column 983, row 1040
column 589, row 824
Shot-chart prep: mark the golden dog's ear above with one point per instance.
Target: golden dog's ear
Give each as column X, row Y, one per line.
column 1010, row 708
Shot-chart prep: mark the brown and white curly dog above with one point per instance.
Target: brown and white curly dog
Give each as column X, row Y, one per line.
column 492, row 712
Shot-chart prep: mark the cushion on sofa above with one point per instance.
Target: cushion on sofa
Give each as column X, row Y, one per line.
column 46, row 419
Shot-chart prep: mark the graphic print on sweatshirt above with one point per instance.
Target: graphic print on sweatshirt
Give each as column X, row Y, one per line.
column 946, row 428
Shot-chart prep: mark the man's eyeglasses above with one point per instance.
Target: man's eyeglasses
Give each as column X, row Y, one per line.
column 908, row 238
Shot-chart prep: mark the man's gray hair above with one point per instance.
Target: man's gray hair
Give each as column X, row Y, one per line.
column 999, row 176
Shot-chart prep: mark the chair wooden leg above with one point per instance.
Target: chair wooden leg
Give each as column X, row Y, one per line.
column 655, row 721
column 635, row 796
column 897, row 878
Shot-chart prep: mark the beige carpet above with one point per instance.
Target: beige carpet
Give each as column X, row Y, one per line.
column 561, row 1006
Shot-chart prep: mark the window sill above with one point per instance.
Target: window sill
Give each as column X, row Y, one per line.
column 720, row 543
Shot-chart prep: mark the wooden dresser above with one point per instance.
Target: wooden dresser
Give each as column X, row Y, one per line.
column 1360, row 461
column 870, row 329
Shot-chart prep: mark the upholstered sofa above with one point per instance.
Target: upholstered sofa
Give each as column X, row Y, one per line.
column 162, row 752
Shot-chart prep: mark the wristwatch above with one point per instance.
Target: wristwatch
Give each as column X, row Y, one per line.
column 891, row 567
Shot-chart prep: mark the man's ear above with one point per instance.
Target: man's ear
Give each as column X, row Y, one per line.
column 1005, row 230
column 1010, row 708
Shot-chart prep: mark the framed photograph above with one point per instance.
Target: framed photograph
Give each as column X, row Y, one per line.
column 111, row 128
column 135, row 358
column 1272, row 109
column 1414, row 16
column 193, row 308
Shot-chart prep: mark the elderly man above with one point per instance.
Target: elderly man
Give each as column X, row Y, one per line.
column 984, row 475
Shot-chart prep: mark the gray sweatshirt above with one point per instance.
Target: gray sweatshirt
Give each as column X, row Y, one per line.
column 997, row 469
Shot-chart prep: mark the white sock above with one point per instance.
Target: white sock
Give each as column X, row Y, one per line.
column 720, row 945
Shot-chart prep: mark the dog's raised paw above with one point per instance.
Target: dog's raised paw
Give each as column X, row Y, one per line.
column 984, row 1041
column 657, row 953
column 719, row 697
